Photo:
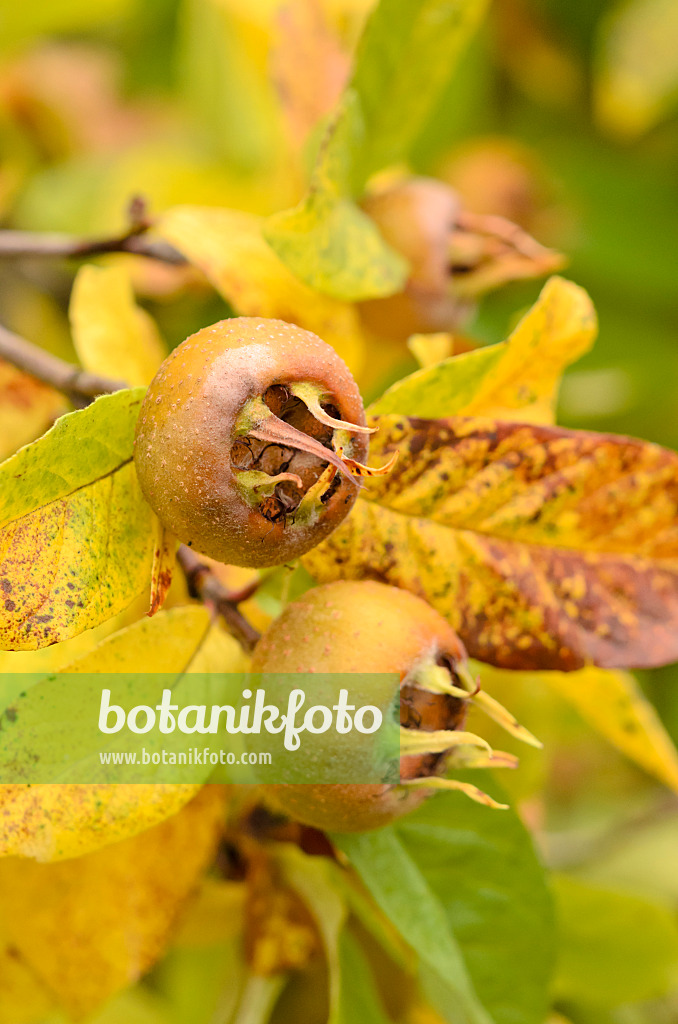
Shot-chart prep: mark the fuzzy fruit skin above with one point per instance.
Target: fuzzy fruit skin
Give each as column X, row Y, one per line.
column 185, row 435
column 363, row 627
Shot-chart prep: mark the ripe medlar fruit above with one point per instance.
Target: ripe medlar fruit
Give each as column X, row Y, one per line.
column 367, row 627
column 454, row 255
column 249, row 441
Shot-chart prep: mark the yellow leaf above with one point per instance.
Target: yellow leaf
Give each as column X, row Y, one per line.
column 90, row 926
column 219, row 652
column 111, row 334
column 229, row 248
column 614, row 705
column 23, row 1000
column 51, row 822
column 514, row 380
column 420, row 1013
column 101, row 530
column 169, row 642
column 572, row 489
column 215, row 914
column 523, row 384
column 52, row 659
column 430, row 349
column 76, row 534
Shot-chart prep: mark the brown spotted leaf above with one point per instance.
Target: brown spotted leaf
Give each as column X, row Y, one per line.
column 538, row 484
column 76, row 535
column 545, row 548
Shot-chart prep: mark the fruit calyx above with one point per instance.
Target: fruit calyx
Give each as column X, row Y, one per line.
column 289, row 445
column 434, row 699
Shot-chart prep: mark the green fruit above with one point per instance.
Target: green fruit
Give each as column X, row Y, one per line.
column 367, row 627
column 249, row 439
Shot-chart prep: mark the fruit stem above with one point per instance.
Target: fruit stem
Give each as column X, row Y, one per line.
column 204, row 585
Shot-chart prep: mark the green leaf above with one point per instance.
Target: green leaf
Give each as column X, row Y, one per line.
column 403, row 893
column 76, row 535
column 363, row 908
column 312, row 880
column 404, row 59
column 614, row 947
column 198, row 981
column 22, row 22
column 327, row 240
column 81, row 447
column 463, row 885
column 320, row 884
column 332, row 245
column 449, row 385
column 360, row 998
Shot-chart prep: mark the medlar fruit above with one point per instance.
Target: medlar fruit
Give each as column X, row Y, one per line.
column 455, row 256
column 368, row 627
column 249, row 441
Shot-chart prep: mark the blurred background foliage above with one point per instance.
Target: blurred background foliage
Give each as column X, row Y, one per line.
column 562, row 117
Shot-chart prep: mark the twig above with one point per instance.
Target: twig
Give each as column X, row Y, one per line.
column 82, row 388
column 133, row 240
column 34, row 244
column 204, row 584
column 78, row 385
